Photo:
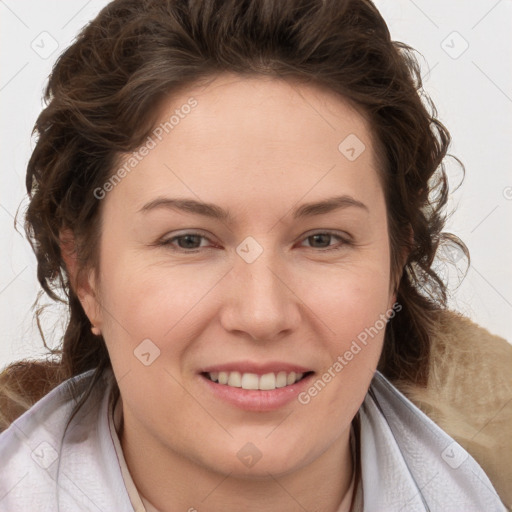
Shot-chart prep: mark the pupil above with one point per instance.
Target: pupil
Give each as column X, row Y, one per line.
column 320, row 235
column 188, row 238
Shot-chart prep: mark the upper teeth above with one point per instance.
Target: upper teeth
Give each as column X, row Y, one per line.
column 252, row 381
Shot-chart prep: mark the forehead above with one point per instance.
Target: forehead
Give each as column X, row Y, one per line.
column 267, row 108
column 254, row 135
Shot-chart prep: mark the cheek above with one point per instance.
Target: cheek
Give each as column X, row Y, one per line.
column 350, row 298
column 167, row 304
column 149, row 295
column 353, row 306
column 358, row 323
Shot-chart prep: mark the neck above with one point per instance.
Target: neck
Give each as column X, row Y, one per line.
column 170, row 481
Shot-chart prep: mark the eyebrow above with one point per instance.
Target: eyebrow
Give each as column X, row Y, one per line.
column 216, row 212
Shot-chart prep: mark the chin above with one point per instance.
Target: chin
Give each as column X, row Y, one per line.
column 255, row 460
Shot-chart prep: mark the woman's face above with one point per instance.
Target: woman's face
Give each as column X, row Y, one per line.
column 259, row 166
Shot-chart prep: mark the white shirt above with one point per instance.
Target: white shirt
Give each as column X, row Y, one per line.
column 408, row 463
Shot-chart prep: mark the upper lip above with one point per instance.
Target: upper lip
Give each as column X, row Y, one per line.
column 257, row 368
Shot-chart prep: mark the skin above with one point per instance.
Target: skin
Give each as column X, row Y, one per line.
column 259, row 148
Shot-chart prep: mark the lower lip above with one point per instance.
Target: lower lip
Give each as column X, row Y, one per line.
column 254, row 399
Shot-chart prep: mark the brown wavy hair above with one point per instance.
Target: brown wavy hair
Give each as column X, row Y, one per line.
column 102, row 101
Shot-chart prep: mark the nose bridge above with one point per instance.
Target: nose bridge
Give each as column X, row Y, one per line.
column 263, row 305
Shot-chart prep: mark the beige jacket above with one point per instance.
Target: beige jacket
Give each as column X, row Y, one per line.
column 469, row 395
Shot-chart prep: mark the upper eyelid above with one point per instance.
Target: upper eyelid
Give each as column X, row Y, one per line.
column 193, row 233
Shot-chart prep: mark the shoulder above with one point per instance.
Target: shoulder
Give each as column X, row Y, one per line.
column 23, row 383
column 56, row 458
column 407, row 459
column 50, row 411
column 469, row 394
column 31, row 445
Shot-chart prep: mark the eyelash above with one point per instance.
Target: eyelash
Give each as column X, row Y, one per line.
column 168, row 243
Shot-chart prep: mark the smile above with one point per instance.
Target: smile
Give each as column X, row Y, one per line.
column 252, row 381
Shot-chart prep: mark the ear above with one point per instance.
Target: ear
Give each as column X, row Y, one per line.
column 84, row 287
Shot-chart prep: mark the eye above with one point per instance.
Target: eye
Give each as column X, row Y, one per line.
column 187, row 242
column 191, row 242
column 323, row 237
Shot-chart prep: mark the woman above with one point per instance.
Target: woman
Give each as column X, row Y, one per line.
column 242, row 201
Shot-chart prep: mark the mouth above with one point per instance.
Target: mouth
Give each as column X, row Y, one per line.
column 256, row 388
column 253, row 381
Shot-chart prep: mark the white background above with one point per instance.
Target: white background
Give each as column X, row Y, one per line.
column 472, row 90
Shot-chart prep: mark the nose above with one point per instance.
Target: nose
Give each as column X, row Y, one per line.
column 260, row 300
